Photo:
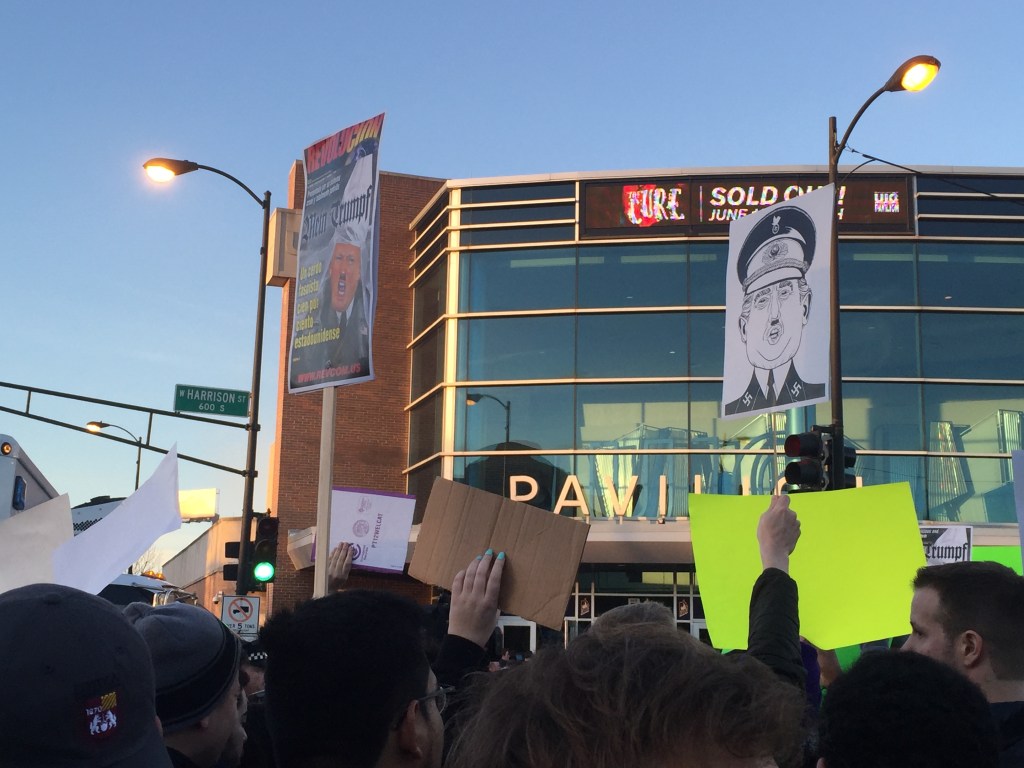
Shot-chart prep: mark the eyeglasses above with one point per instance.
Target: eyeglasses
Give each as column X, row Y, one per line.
column 441, row 695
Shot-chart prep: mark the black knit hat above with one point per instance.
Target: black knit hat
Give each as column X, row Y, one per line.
column 77, row 684
column 195, row 658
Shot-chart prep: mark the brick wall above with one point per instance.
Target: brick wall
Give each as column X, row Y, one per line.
column 371, row 425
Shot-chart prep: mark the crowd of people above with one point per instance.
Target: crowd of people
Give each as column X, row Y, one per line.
column 354, row 679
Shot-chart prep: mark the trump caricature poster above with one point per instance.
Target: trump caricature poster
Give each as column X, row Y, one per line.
column 777, row 307
column 336, row 286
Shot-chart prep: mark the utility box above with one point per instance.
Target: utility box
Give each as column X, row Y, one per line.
column 283, row 245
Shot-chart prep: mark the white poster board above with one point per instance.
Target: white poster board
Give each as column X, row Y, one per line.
column 376, row 523
column 1017, row 462
column 947, row 544
column 777, row 307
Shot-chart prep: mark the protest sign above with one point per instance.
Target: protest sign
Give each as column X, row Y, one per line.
column 542, row 550
column 376, row 524
column 858, row 552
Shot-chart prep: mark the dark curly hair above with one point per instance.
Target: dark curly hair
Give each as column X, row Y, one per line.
column 899, row 709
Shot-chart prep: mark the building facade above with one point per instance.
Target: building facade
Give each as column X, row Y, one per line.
column 562, row 336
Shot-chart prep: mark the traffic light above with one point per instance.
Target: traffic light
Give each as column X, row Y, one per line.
column 264, row 552
column 848, row 480
column 810, row 472
column 231, row 552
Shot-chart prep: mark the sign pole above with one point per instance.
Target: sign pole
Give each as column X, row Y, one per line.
column 323, row 497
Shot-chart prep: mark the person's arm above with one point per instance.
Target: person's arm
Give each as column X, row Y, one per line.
column 339, row 565
column 774, row 634
column 471, row 619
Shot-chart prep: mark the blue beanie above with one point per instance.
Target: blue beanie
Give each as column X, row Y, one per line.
column 195, row 658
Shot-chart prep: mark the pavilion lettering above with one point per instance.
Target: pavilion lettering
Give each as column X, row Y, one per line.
column 525, row 488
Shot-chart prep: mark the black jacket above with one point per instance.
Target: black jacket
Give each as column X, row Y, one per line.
column 1009, row 716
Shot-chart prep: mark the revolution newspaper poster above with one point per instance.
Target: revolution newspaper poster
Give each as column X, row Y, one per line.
column 336, row 286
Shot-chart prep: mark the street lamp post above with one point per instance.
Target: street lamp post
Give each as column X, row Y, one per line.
column 96, row 426
column 473, row 398
column 163, row 169
column 914, row 74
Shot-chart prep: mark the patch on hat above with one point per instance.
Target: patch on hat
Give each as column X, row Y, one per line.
column 101, row 716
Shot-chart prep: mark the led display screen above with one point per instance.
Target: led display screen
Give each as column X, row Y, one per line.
column 697, row 206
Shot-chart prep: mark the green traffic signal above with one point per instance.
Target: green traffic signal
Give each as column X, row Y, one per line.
column 263, row 572
column 264, row 554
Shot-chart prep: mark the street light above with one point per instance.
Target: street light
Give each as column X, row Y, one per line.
column 912, row 75
column 472, row 398
column 96, row 426
column 163, row 169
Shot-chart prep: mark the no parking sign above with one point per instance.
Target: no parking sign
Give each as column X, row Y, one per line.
column 241, row 614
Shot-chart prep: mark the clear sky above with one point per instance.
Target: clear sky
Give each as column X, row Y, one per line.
column 117, row 289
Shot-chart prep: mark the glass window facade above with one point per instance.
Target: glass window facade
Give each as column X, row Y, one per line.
column 602, row 360
column 526, row 278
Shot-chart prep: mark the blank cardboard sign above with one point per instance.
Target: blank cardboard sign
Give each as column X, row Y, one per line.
column 542, row 550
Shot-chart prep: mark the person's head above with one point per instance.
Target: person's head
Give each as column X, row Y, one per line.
column 343, row 274
column 348, row 683
column 645, row 612
column 771, row 265
column 631, row 694
column 970, row 616
column 78, row 683
column 254, row 666
column 199, row 696
column 904, row 710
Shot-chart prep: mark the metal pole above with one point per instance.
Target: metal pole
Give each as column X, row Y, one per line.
column 245, row 539
column 505, row 490
column 325, row 478
column 138, row 464
column 837, row 473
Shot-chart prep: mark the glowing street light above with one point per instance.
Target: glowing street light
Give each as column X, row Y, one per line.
column 914, row 74
column 163, row 169
column 96, row 426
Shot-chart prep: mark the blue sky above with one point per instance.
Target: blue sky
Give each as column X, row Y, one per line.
column 117, row 289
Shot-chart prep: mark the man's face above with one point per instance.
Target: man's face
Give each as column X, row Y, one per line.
column 228, row 721
column 773, row 329
column 343, row 275
column 255, row 675
column 927, row 636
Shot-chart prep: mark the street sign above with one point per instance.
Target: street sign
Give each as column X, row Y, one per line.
column 241, row 614
column 211, row 401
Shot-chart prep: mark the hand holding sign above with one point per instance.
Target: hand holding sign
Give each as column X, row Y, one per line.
column 474, row 610
column 339, row 566
column 777, row 532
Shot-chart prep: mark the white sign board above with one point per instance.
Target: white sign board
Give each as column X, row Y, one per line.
column 98, row 555
column 1017, row 462
column 777, row 307
column 948, row 544
column 377, row 524
column 241, row 614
